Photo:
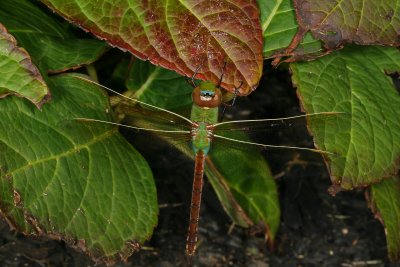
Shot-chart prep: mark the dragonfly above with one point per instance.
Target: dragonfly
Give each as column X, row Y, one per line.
column 199, row 132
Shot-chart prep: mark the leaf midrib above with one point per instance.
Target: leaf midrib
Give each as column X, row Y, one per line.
column 74, row 149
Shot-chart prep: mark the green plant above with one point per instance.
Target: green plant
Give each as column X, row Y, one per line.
column 89, row 187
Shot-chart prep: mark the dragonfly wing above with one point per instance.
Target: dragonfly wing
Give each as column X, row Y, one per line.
column 141, row 117
column 177, row 137
column 277, row 123
column 126, row 106
column 136, row 114
column 289, row 131
column 275, row 134
column 243, row 144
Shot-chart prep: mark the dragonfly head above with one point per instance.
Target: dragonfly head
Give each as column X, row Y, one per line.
column 207, row 95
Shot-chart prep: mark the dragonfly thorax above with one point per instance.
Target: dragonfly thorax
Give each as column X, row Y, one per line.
column 201, row 137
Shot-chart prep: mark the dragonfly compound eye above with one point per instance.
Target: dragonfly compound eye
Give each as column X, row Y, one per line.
column 207, row 95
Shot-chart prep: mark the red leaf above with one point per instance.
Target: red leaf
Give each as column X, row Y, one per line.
column 364, row 22
column 19, row 76
column 180, row 35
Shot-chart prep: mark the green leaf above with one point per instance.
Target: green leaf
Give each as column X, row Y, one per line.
column 249, row 179
column 363, row 22
column 52, row 46
column 179, row 35
column 366, row 138
column 63, row 178
column 225, row 196
column 18, row 74
column 385, row 200
column 279, row 26
column 157, row 86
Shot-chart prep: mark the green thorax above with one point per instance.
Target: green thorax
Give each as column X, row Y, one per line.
column 207, row 115
column 206, row 100
column 203, row 117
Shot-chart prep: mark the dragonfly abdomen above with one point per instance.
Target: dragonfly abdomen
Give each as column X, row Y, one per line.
column 206, row 99
column 191, row 240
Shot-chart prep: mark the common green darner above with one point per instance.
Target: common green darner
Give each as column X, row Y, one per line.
column 199, row 132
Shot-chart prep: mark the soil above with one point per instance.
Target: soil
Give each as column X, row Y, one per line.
column 316, row 229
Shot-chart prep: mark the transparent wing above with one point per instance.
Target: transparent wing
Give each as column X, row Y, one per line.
column 177, row 137
column 143, row 116
column 277, row 123
column 137, row 113
column 248, row 145
column 274, row 134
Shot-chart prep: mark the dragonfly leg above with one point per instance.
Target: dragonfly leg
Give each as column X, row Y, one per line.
column 233, row 101
column 222, row 75
column 191, row 80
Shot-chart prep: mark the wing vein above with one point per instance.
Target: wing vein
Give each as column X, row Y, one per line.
column 271, row 146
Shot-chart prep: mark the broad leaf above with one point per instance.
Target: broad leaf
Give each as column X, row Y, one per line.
column 363, row 22
column 366, row 137
column 18, row 74
column 160, row 87
column 385, row 200
column 179, row 35
column 225, row 195
column 279, row 26
column 63, row 178
column 250, row 181
column 53, row 48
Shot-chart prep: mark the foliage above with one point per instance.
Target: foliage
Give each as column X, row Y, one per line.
column 88, row 186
